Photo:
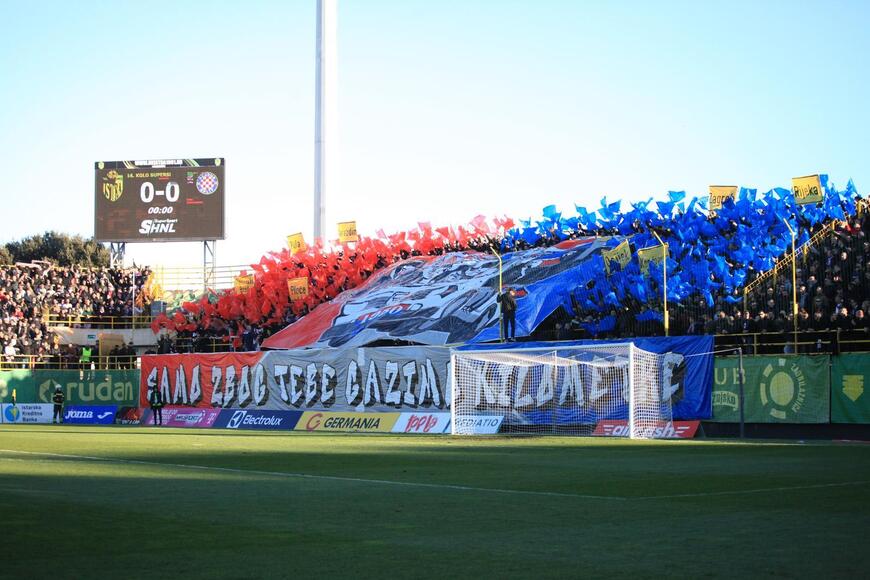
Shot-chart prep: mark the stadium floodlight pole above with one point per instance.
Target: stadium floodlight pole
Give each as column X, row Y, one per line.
column 665, row 280
column 500, row 290
column 794, row 304
column 323, row 97
column 740, row 401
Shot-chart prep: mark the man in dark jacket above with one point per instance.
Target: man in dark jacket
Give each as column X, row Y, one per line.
column 58, row 400
column 508, row 302
column 155, row 399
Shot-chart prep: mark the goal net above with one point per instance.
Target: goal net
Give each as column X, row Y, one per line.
column 565, row 390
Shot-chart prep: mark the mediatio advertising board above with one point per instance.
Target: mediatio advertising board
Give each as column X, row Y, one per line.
column 159, row 200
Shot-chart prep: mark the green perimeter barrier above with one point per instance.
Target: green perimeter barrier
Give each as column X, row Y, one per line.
column 849, row 376
column 777, row 389
column 86, row 387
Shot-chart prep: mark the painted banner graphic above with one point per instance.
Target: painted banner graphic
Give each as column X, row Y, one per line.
column 89, row 415
column 785, row 389
column 850, row 381
column 447, row 299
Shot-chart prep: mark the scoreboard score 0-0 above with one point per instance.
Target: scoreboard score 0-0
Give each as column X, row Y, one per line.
column 163, row 200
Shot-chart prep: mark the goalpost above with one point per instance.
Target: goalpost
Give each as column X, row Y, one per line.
column 565, row 390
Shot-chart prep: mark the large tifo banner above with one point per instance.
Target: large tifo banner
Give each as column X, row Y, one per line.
column 685, row 370
column 447, row 299
column 341, row 389
column 338, row 380
column 850, row 388
column 776, row 389
column 84, row 387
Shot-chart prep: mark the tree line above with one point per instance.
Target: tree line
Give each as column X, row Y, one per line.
column 56, row 247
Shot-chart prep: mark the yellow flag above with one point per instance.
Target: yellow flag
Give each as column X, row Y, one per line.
column 347, row 232
column 807, row 189
column 243, row 283
column 296, row 243
column 652, row 254
column 621, row 254
column 297, row 288
column 719, row 193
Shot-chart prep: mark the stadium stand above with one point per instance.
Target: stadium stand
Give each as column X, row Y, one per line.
column 713, row 258
column 39, row 296
column 729, row 274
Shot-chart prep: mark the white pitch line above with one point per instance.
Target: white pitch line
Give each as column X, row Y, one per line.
column 320, row 477
column 758, row 490
column 436, row 485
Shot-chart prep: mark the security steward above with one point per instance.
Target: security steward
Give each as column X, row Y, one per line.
column 58, row 400
column 508, row 301
column 155, row 399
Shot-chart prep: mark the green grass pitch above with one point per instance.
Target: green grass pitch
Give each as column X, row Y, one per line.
column 88, row 502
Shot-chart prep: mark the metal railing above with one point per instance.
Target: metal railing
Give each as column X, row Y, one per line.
column 191, row 278
column 785, row 260
column 100, row 322
column 41, row 362
column 808, row 341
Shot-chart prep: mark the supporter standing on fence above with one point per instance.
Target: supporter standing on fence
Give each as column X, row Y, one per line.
column 155, row 399
column 508, row 302
column 58, row 400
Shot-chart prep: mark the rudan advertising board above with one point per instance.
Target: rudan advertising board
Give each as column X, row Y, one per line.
column 81, row 387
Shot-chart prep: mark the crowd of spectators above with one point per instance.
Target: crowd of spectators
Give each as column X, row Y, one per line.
column 34, row 295
column 833, row 297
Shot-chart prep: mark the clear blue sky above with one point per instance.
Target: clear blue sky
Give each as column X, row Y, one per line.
column 447, row 109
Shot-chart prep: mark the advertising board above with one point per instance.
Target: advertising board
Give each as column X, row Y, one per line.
column 26, row 413
column 666, row 430
column 89, row 415
column 422, row 423
column 183, row 417
column 356, row 422
column 255, row 419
